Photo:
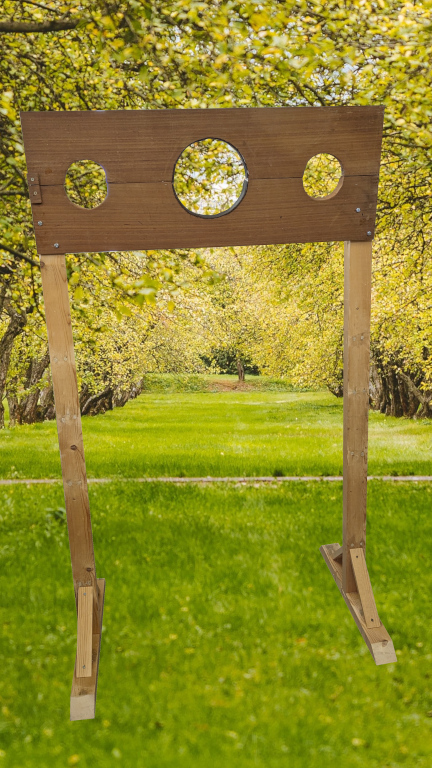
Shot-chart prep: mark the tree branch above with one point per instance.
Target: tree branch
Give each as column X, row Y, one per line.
column 26, row 27
column 18, row 255
column 422, row 396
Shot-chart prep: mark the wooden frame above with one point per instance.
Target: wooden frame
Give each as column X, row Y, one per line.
column 138, row 150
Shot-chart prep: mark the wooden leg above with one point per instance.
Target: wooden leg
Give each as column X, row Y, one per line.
column 377, row 639
column 63, row 370
column 355, row 586
column 357, row 304
column 84, row 689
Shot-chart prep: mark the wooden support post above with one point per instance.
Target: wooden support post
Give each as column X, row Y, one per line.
column 354, row 583
column 357, row 306
column 63, row 371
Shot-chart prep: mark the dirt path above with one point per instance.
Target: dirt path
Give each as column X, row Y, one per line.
column 204, row 480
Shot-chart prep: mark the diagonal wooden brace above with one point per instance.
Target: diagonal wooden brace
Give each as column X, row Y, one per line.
column 376, row 636
column 84, row 689
column 84, row 632
column 364, row 588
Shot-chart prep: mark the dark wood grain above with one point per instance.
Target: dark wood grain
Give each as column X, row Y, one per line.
column 139, row 149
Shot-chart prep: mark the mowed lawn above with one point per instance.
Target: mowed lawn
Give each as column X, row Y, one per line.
column 195, row 434
column 226, row 642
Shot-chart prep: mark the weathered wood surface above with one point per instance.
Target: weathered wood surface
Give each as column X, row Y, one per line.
column 84, row 689
column 364, row 588
column 63, row 371
column 139, row 149
column 377, row 639
column 357, row 301
column 84, row 631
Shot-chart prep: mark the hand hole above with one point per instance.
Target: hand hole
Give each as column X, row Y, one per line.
column 210, row 178
column 323, row 177
column 86, row 184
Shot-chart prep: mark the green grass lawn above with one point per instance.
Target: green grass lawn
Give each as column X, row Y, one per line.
column 250, row 433
column 226, row 642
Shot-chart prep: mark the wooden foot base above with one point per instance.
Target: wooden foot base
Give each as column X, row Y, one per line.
column 377, row 639
column 83, row 695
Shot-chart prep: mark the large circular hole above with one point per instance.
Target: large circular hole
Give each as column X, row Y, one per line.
column 210, row 178
column 323, row 176
column 86, row 184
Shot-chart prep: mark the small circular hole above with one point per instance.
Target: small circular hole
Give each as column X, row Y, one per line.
column 86, row 184
column 323, row 176
column 210, row 178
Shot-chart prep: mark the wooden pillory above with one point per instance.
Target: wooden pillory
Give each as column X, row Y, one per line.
column 138, row 151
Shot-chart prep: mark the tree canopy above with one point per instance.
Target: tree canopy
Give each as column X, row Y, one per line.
column 147, row 55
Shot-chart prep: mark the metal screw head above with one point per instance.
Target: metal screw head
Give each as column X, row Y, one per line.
column 31, row 178
column 358, row 210
column 35, row 193
column 56, row 245
column 39, row 223
column 369, row 234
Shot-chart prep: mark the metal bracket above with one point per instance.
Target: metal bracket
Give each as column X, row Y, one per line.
column 34, row 188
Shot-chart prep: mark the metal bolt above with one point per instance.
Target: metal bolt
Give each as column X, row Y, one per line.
column 84, row 664
column 35, row 193
column 362, row 453
column 369, row 234
column 358, row 210
column 56, row 245
column 84, row 593
column 31, row 178
column 39, row 223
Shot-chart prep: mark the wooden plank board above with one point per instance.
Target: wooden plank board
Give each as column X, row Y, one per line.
column 364, row 587
column 357, row 300
column 68, row 416
column 377, row 639
column 84, row 631
column 148, row 216
column 84, row 689
column 139, row 149
column 137, row 146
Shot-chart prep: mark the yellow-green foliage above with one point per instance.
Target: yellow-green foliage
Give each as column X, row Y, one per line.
column 150, row 55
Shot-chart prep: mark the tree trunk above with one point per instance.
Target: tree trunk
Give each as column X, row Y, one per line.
column 240, row 370
column 15, row 327
column 26, row 409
